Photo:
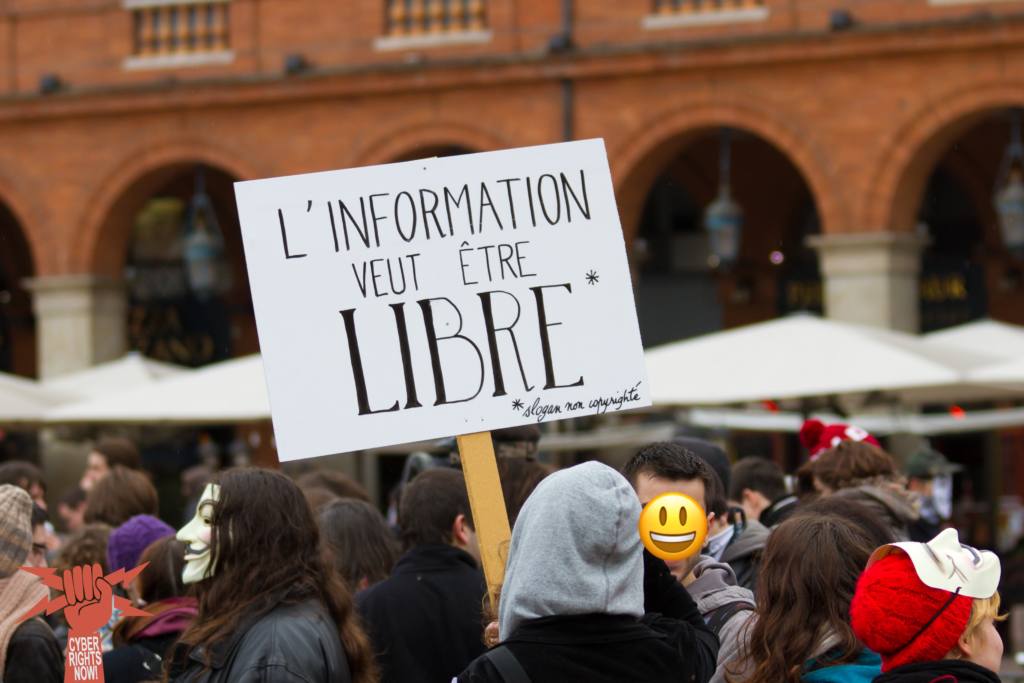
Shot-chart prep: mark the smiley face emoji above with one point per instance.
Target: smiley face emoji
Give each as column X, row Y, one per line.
column 673, row 526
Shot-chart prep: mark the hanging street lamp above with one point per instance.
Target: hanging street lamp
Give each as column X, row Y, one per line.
column 1009, row 196
column 723, row 219
column 203, row 249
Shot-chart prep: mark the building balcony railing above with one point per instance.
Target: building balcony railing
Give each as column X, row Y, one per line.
column 672, row 13
column 423, row 23
column 167, row 33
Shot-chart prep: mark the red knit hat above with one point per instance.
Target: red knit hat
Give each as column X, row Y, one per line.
column 902, row 619
column 816, row 436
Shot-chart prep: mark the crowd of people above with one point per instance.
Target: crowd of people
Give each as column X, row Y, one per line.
column 842, row 573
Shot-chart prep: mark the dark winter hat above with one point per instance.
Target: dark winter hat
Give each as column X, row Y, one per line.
column 714, row 456
column 928, row 463
column 817, row 437
column 15, row 528
column 895, row 614
column 129, row 540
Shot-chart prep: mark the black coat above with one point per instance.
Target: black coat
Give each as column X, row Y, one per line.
column 290, row 644
column 675, row 648
column 945, row 670
column 137, row 661
column 425, row 620
column 33, row 655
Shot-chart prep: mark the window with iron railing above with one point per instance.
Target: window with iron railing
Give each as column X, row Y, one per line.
column 410, row 23
column 668, row 13
column 179, row 32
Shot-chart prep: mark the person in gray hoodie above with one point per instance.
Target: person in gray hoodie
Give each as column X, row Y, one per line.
column 577, row 586
column 727, row 608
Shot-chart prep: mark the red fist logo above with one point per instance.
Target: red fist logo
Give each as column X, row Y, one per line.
column 89, row 597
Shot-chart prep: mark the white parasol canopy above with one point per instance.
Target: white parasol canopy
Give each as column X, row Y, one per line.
column 1008, row 374
column 803, row 356
column 131, row 371
column 988, row 337
column 222, row 393
column 24, row 401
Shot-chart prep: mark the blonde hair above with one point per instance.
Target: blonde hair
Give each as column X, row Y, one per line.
column 982, row 609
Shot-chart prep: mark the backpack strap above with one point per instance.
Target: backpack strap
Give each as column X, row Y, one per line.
column 722, row 614
column 509, row 668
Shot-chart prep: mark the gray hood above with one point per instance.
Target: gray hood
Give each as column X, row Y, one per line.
column 748, row 542
column 575, row 549
column 714, row 585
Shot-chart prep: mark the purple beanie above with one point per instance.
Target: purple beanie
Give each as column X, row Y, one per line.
column 129, row 540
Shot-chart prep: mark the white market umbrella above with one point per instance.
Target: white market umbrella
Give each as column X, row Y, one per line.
column 1008, row 374
column 989, row 337
column 221, row 393
column 24, row 401
column 800, row 356
column 131, row 371
column 932, row 424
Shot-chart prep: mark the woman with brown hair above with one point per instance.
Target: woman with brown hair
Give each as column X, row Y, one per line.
column 119, row 496
column 808, row 576
column 270, row 607
column 358, row 541
column 864, row 473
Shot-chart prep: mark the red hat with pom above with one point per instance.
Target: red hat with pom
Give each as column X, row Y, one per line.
column 903, row 620
column 817, row 437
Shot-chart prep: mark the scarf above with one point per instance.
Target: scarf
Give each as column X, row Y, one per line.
column 18, row 594
column 169, row 616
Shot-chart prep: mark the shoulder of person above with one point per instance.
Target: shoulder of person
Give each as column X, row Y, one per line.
column 35, row 634
column 284, row 623
column 480, row 670
column 33, row 655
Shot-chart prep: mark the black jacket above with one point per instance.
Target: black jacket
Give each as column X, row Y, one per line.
column 425, row 620
column 139, row 660
column 779, row 511
column 33, row 655
column 675, row 646
column 945, row 671
column 291, row 644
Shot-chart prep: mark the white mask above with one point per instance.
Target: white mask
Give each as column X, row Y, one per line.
column 196, row 536
column 945, row 564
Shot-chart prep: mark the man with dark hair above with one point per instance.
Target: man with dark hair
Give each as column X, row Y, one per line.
column 671, row 467
column 106, row 455
column 759, row 487
column 425, row 619
column 71, row 509
column 711, row 581
column 25, row 476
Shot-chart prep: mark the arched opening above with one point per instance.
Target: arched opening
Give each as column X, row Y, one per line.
column 17, row 322
column 681, row 292
column 967, row 272
column 438, row 150
column 184, row 270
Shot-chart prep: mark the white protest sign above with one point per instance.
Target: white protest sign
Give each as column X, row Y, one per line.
column 439, row 297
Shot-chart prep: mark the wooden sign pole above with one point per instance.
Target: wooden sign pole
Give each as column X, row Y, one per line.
column 490, row 518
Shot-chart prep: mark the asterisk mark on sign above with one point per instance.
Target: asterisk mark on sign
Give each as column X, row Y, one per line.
column 517, row 404
column 592, row 277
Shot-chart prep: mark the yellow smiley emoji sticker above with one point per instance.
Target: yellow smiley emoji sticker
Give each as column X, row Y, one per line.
column 673, row 526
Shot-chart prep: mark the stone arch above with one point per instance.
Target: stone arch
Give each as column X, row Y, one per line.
column 103, row 233
column 19, row 247
column 402, row 141
column 637, row 162
column 913, row 150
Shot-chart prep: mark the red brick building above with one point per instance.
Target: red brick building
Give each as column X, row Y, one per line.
column 859, row 128
column 867, row 144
